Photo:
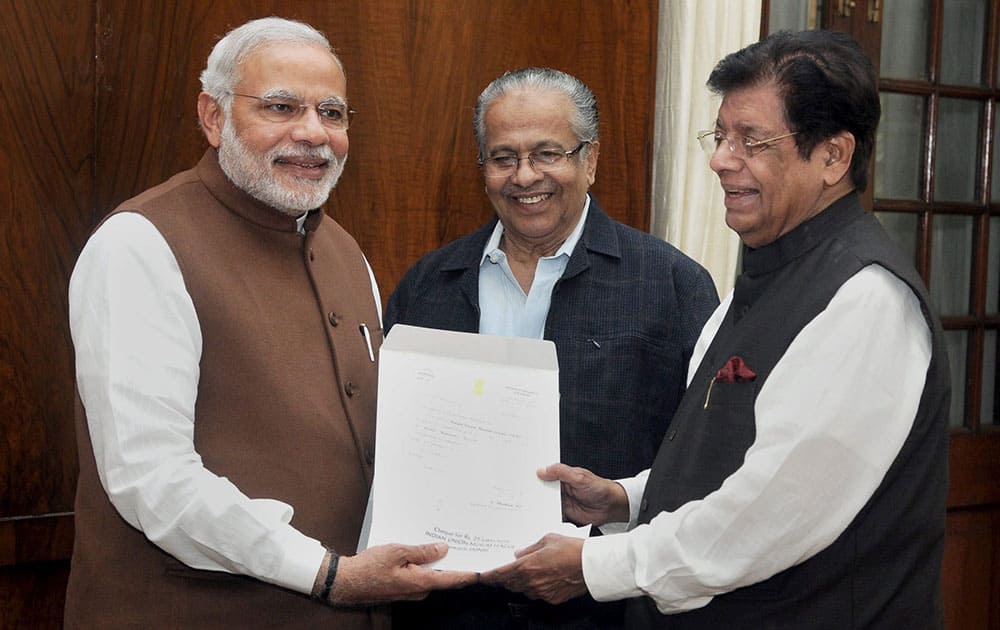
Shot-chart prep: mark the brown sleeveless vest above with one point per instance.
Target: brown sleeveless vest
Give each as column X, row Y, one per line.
column 285, row 409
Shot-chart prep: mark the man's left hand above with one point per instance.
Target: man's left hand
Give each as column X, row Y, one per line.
column 550, row 570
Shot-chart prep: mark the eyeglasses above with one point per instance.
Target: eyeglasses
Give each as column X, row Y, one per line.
column 745, row 148
column 333, row 114
column 542, row 160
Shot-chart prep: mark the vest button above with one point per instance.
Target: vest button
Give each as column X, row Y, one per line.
column 351, row 389
column 334, row 318
column 644, row 505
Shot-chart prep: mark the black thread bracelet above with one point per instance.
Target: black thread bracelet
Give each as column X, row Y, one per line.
column 331, row 574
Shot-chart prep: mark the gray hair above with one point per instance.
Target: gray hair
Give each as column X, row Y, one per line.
column 222, row 72
column 583, row 121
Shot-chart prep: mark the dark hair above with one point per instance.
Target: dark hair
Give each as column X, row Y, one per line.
column 826, row 82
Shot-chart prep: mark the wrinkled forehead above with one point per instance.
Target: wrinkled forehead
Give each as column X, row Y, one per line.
column 528, row 113
column 302, row 70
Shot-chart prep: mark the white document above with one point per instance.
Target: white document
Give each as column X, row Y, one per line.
column 464, row 422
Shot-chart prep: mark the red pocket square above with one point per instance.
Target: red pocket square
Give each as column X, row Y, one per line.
column 735, row 371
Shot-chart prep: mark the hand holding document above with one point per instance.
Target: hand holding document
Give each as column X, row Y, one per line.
column 464, row 422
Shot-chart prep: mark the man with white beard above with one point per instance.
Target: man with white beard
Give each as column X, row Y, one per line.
column 226, row 331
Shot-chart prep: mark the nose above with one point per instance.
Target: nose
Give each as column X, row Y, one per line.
column 525, row 173
column 724, row 158
column 308, row 128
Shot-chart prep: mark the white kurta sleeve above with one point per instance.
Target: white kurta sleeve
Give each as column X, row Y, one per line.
column 830, row 420
column 138, row 345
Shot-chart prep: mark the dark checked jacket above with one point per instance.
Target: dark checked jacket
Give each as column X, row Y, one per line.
column 624, row 318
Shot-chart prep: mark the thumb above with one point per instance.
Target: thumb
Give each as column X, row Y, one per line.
column 551, row 472
column 422, row 554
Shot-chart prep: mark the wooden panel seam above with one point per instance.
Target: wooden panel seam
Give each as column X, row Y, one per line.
column 36, row 538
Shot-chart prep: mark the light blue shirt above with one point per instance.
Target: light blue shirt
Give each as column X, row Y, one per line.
column 504, row 309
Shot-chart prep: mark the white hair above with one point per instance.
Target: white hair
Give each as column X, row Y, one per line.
column 222, row 72
column 583, row 119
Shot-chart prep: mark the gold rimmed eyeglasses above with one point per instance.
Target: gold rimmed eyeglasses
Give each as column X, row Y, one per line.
column 743, row 147
column 334, row 114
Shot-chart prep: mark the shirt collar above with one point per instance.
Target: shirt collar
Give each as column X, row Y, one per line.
column 493, row 244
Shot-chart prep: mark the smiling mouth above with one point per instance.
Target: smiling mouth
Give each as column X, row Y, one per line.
column 301, row 162
column 739, row 191
column 533, row 199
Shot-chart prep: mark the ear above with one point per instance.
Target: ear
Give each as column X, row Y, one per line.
column 593, row 151
column 838, row 152
column 212, row 118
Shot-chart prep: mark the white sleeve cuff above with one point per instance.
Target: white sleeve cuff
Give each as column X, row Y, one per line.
column 634, row 487
column 303, row 557
column 607, row 568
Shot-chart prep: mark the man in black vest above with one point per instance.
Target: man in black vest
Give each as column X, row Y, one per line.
column 802, row 482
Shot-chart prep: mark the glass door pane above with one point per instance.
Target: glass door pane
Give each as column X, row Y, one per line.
column 902, row 227
column 899, row 148
column 904, row 39
column 951, row 264
column 990, row 414
column 993, row 269
column 792, row 15
column 995, row 166
column 962, row 42
column 957, row 343
column 957, row 149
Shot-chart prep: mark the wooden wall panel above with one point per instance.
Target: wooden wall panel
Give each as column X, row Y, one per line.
column 32, row 597
column 46, row 168
column 971, row 562
column 46, row 204
column 414, row 70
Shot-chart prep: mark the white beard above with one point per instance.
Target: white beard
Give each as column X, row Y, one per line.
column 254, row 173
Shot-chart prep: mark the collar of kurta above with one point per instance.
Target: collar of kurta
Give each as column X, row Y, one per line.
column 758, row 264
column 802, row 238
column 241, row 203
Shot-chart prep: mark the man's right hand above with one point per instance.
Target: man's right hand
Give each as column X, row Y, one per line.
column 587, row 498
column 393, row 572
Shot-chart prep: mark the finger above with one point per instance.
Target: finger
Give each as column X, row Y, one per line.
column 498, row 576
column 503, row 579
column 422, row 554
column 454, row 579
column 520, row 553
column 552, row 472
